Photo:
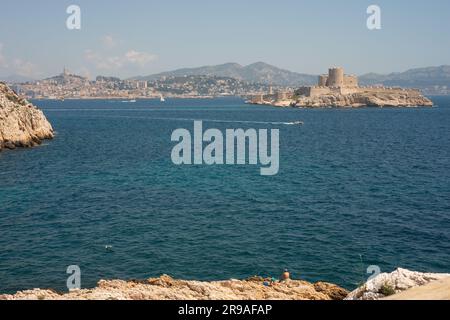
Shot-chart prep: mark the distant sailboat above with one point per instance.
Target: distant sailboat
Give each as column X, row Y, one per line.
column 162, row 98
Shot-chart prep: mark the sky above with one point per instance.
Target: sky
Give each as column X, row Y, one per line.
column 142, row 37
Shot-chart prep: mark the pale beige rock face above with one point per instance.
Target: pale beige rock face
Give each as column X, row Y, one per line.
column 398, row 281
column 166, row 288
column 380, row 99
column 436, row 290
column 21, row 123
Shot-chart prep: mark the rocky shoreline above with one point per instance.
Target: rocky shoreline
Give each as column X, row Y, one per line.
column 356, row 100
column 22, row 125
column 388, row 98
column 167, row 288
column 256, row 288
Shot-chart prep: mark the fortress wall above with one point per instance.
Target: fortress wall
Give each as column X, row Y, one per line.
column 385, row 89
column 282, row 95
column 350, row 81
column 318, row 91
column 382, row 90
column 349, row 90
column 258, row 98
column 304, row 91
column 315, row 91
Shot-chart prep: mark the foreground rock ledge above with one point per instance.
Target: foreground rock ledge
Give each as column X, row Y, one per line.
column 404, row 284
column 21, row 123
column 167, row 288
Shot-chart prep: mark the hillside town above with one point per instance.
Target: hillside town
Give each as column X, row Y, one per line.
column 71, row 86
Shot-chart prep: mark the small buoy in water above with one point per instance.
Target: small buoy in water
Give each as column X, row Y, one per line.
column 286, row 275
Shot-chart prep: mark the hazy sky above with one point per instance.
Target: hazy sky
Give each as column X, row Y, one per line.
column 140, row 37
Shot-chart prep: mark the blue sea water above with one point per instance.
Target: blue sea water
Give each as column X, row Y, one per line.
column 356, row 187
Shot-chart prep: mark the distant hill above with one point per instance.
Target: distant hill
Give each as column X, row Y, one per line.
column 264, row 73
column 206, row 86
column 417, row 78
column 15, row 78
column 259, row 72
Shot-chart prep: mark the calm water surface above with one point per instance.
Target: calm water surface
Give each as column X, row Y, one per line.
column 355, row 188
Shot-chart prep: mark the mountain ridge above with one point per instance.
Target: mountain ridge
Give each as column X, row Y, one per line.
column 261, row 72
column 258, row 72
column 419, row 77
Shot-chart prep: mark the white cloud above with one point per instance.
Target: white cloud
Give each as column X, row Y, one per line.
column 104, row 63
column 139, row 58
column 24, row 68
column 129, row 59
column 18, row 66
column 109, row 42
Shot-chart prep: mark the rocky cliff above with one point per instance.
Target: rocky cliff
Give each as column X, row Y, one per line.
column 363, row 99
column 21, row 123
column 401, row 284
column 166, row 288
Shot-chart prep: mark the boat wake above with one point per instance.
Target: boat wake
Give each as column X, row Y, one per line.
column 295, row 123
column 232, row 121
column 276, row 123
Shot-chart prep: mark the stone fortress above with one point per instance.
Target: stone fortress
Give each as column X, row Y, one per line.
column 336, row 89
column 336, row 82
column 337, row 78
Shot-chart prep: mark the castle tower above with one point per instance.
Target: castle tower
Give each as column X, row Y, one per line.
column 335, row 77
column 323, row 80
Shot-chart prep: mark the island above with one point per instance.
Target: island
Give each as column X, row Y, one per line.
column 21, row 123
column 337, row 89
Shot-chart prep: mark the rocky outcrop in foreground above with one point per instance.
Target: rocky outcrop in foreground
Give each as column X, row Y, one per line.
column 21, row 123
column 166, row 288
column 387, row 285
column 401, row 284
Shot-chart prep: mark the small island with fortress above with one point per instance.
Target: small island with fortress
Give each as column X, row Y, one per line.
column 336, row 89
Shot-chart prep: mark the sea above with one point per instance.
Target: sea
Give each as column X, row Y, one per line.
column 357, row 190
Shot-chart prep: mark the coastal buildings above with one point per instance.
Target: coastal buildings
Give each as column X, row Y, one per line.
column 70, row 86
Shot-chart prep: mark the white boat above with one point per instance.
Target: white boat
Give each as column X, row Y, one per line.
column 162, row 98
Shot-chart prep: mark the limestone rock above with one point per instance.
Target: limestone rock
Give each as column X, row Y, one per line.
column 363, row 99
column 435, row 290
column 167, row 288
column 21, row 123
column 387, row 284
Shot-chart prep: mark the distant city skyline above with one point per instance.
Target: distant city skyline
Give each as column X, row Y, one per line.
column 140, row 37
